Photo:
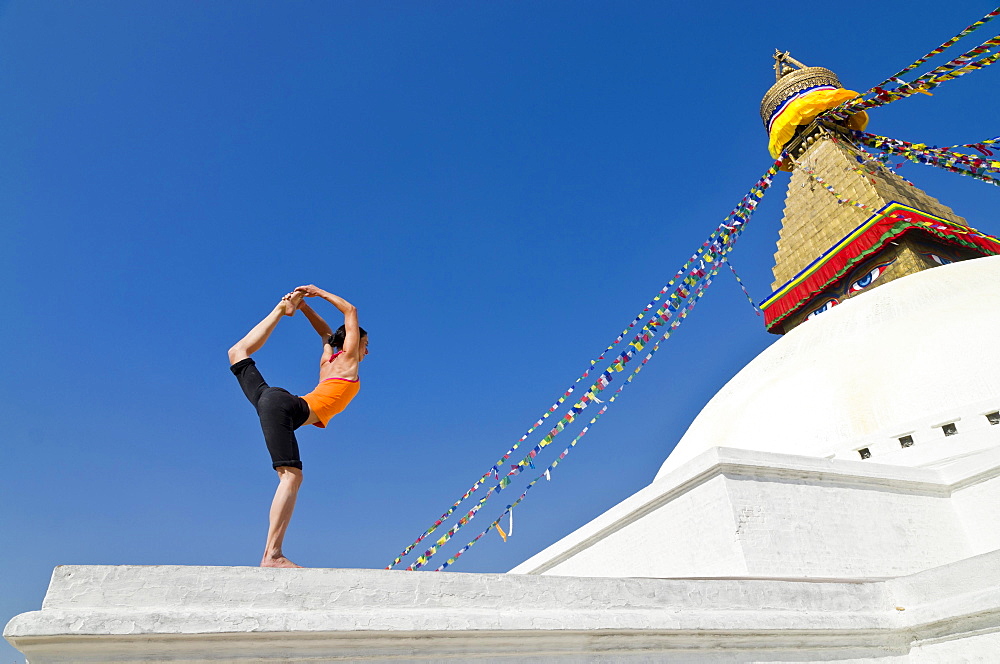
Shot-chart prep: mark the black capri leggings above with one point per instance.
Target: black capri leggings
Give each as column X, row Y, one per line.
column 280, row 413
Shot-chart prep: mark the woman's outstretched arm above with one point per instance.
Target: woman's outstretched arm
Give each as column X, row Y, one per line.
column 255, row 338
column 320, row 325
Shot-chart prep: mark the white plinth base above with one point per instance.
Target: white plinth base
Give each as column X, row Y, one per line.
column 731, row 512
column 212, row 614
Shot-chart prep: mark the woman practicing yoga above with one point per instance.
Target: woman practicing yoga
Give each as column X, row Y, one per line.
column 281, row 412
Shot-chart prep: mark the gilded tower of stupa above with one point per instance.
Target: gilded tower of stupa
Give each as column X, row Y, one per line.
column 850, row 223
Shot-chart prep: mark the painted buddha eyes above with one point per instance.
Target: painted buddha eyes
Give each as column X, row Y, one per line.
column 826, row 306
column 939, row 260
column 867, row 280
column 864, row 282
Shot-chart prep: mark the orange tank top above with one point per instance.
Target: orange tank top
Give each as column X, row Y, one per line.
column 330, row 397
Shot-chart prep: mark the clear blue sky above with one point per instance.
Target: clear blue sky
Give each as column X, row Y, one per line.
column 499, row 188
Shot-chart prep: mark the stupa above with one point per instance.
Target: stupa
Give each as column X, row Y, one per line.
column 833, row 502
column 849, row 449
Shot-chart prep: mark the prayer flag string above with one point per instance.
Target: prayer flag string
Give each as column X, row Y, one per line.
column 693, row 279
column 980, row 146
column 955, row 162
column 951, row 70
column 940, row 49
column 753, row 304
column 675, row 287
column 882, row 161
column 823, row 183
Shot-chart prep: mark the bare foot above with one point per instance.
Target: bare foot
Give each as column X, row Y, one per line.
column 291, row 302
column 280, row 561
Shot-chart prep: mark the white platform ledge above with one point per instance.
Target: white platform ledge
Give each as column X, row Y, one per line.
column 211, row 614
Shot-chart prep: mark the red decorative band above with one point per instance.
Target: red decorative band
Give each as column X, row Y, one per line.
column 891, row 222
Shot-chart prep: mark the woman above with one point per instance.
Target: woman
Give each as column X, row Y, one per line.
column 281, row 412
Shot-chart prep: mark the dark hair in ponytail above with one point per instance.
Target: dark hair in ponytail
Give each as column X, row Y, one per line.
column 337, row 338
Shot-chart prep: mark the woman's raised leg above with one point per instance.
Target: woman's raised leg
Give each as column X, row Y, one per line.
column 256, row 337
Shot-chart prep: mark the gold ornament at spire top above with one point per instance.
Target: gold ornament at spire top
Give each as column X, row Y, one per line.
column 783, row 64
column 791, row 78
column 799, row 95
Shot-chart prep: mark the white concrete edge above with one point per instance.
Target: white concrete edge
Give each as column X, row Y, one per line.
column 970, row 469
column 124, row 588
column 534, row 645
column 934, row 604
column 762, row 465
column 38, row 624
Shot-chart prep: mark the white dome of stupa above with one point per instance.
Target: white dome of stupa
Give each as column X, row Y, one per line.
column 908, row 356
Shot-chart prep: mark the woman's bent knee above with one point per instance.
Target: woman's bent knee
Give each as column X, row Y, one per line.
column 237, row 353
column 289, row 474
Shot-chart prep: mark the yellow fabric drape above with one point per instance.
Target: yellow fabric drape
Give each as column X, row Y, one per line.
column 804, row 109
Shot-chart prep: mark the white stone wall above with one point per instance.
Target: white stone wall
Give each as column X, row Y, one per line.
column 736, row 512
column 816, row 528
column 977, row 507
